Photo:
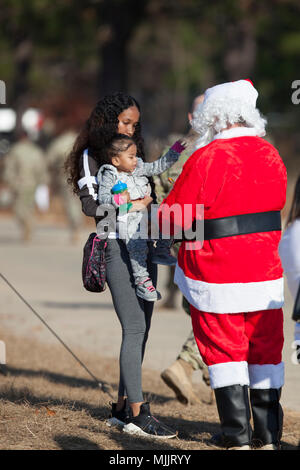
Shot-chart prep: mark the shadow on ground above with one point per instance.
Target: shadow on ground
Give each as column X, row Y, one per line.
column 78, row 305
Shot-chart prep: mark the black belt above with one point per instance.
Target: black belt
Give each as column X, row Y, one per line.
column 238, row 225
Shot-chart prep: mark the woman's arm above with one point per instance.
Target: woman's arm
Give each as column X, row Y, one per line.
column 88, row 185
column 140, row 204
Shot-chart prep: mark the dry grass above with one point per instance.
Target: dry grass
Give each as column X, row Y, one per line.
column 48, row 402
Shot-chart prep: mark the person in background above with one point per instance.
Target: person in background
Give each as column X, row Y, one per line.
column 289, row 251
column 25, row 171
column 57, row 153
column 178, row 376
column 163, row 185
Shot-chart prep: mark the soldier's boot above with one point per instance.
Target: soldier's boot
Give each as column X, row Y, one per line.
column 267, row 418
column 234, row 413
column 179, row 378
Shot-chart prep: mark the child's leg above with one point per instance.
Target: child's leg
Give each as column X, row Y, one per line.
column 138, row 251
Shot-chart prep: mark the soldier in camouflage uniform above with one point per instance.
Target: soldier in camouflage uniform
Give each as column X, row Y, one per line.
column 56, row 156
column 179, row 375
column 24, row 170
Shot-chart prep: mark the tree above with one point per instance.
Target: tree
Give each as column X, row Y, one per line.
column 119, row 20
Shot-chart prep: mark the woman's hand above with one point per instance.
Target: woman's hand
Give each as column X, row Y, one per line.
column 140, row 204
column 127, row 195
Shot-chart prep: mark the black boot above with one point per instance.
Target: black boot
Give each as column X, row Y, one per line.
column 234, row 413
column 267, row 416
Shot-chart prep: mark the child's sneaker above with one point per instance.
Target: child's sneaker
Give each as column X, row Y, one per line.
column 118, row 418
column 145, row 425
column 147, row 291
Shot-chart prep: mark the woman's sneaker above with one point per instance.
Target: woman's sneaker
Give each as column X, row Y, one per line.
column 145, row 425
column 118, row 418
column 147, row 291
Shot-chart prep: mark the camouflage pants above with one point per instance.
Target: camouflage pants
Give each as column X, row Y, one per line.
column 72, row 207
column 24, row 211
column 24, row 205
column 190, row 352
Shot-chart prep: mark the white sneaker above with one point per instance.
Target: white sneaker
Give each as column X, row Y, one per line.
column 147, row 291
column 145, row 425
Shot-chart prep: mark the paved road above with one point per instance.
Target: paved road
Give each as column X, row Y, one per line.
column 47, row 273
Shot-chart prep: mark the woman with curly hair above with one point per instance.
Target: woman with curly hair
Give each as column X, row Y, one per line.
column 118, row 113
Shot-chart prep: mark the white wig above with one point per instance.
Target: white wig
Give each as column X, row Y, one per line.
column 225, row 105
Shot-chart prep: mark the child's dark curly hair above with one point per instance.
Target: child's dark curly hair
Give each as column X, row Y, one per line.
column 119, row 143
column 98, row 131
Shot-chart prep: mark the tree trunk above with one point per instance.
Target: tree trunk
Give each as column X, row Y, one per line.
column 239, row 60
column 23, row 60
column 121, row 19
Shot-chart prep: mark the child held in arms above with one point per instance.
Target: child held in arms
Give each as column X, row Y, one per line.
column 123, row 181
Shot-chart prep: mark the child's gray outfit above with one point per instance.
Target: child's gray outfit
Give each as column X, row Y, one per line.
column 129, row 224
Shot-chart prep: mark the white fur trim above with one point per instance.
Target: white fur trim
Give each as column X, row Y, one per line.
column 228, row 373
column 266, row 375
column 236, row 132
column 241, row 90
column 230, row 297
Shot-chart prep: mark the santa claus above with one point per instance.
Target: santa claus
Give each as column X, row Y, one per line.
column 234, row 281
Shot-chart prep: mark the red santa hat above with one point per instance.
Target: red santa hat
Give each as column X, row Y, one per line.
column 240, row 90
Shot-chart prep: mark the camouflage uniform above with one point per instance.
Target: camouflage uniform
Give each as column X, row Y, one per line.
column 56, row 156
column 24, row 170
column 163, row 185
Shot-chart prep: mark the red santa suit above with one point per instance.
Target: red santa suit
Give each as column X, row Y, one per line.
column 234, row 284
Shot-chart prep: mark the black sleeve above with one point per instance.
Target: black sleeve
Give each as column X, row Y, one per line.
column 88, row 184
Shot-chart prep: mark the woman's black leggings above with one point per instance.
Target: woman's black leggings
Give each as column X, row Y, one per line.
column 134, row 314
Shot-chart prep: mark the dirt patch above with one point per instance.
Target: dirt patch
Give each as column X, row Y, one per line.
column 48, row 402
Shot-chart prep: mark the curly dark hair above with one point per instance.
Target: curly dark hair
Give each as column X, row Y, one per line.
column 295, row 208
column 119, row 143
column 98, row 131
